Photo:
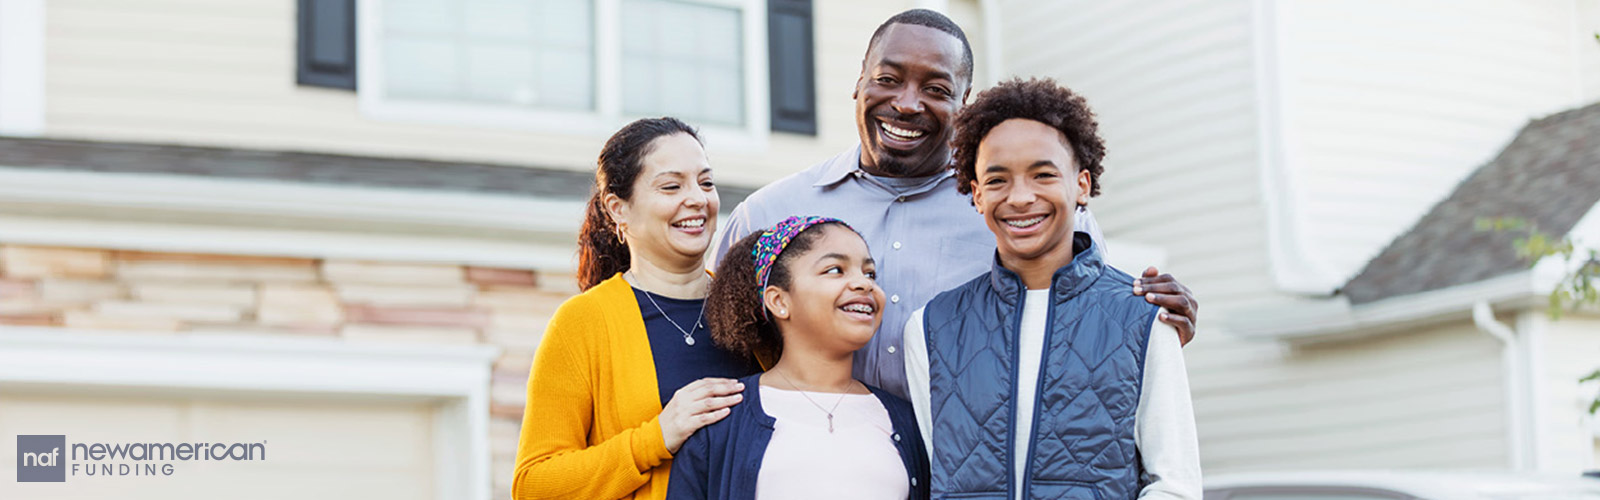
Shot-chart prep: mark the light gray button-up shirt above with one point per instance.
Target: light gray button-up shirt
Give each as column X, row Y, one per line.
column 925, row 236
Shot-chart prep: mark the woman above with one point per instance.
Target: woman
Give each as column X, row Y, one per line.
column 626, row 370
column 802, row 293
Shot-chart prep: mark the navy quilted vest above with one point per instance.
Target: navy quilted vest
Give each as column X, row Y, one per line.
column 1088, row 388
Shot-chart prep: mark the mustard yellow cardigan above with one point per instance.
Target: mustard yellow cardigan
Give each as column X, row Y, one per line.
column 591, row 428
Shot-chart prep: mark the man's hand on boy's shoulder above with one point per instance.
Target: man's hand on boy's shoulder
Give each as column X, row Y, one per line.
column 1181, row 308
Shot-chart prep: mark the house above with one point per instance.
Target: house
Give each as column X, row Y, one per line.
column 337, row 228
column 1296, row 161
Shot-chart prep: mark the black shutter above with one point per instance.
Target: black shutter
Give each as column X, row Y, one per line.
column 327, row 44
column 793, row 74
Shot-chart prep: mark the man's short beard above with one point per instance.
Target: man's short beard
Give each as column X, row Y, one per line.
column 897, row 166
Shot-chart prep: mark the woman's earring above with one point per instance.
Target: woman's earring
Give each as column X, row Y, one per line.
column 621, row 228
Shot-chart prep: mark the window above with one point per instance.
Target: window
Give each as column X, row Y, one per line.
column 579, row 66
column 682, row 59
column 537, row 54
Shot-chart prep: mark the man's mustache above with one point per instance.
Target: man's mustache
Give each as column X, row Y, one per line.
column 921, row 122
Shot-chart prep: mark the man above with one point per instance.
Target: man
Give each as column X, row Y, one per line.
column 1046, row 377
column 897, row 190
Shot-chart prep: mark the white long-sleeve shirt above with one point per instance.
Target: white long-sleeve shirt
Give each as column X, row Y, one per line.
column 1164, row 429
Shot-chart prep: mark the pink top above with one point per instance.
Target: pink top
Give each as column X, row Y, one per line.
column 858, row 460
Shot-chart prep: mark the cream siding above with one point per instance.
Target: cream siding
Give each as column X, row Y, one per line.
column 1430, row 397
column 354, row 449
column 1568, row 348
column 1389, row 104
column 1173, row 85
column 222, row 74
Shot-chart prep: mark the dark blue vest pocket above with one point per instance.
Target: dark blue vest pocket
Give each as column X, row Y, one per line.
column 1066, row 490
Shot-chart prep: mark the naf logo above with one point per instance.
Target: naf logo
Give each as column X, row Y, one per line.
column 41, row 459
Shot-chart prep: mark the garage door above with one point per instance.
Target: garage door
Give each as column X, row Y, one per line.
column 313, row 448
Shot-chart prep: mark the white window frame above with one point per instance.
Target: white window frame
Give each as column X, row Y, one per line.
column 455, row 379
column 607, row 116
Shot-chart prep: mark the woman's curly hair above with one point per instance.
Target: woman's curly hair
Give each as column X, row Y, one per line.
column 1038, row 99
column 734, row 306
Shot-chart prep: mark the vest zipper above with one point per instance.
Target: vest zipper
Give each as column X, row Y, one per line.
column 1016, row 372
column 1038, row 386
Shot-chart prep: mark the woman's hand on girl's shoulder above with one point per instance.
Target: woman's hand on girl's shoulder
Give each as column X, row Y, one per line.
column 701, row 403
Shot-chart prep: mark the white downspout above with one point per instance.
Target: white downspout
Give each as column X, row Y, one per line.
column 1517, row 403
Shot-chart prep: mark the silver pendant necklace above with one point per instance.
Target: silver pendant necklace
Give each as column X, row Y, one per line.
column 688, row 335
column 828, row 412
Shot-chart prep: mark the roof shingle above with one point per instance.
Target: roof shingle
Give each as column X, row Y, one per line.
column 1548, row 175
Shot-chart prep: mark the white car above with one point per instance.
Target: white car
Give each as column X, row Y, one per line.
column 1398, row 485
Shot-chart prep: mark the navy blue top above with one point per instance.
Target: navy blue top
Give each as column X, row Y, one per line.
column 678, row 363
column 721, row 461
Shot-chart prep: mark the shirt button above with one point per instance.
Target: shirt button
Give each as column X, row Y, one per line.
column 891, row 349
column 913, row 481
column 896, row 245
column 896, row 436
column 894, row 299
column 902, row 198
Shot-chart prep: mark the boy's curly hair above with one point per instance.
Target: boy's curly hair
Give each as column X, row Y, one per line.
column 1037, row 99
column 734, row 305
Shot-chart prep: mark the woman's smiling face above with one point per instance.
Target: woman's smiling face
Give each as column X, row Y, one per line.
column 673, row 210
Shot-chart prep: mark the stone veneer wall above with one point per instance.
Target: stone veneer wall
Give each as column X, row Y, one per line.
column 198, row 294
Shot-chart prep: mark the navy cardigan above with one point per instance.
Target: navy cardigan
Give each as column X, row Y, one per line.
column 721, row 460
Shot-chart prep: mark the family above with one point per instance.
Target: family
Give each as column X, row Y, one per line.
column 926, row 315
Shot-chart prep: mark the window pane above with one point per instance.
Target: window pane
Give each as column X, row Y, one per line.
column 508, row 20
column 420, row 68
column 500, row 74
column 524, row 53
column 683, row 59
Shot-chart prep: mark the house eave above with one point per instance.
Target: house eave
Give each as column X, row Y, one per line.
column 1337, row 319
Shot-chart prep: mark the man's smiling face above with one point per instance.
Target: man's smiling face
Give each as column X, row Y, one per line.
column 909, row 90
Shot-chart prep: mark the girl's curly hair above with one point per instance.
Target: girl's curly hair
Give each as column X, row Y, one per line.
column 1038, row 99
column 734, row 306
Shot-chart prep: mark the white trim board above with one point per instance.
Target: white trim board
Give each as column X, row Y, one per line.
column 123, row 192
column 1331, row 319
column 171, row 213
column 22, row 67
column 457, row 376
column 1292, row 269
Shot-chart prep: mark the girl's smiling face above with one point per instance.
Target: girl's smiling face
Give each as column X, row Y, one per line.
column 833, row 301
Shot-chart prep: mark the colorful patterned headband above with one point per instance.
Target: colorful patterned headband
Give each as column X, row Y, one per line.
column 774, row 240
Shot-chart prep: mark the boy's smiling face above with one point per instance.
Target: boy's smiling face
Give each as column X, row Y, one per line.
column 1028, row 186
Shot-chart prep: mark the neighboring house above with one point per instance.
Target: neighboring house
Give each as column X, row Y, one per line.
column 340, row 226
column 1274, row 150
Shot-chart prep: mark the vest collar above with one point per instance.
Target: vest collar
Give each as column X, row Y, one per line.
column 1067, row 282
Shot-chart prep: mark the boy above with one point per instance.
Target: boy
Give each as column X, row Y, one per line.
column 1046, row 377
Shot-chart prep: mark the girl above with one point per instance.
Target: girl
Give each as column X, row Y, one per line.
column 802, row 293
column 626, row 370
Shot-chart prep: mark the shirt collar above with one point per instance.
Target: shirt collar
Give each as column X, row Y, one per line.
column 840, row 167
column 849, row 162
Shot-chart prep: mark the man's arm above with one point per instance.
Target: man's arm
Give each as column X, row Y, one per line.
column 1164, row 428
column 1182, row 310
